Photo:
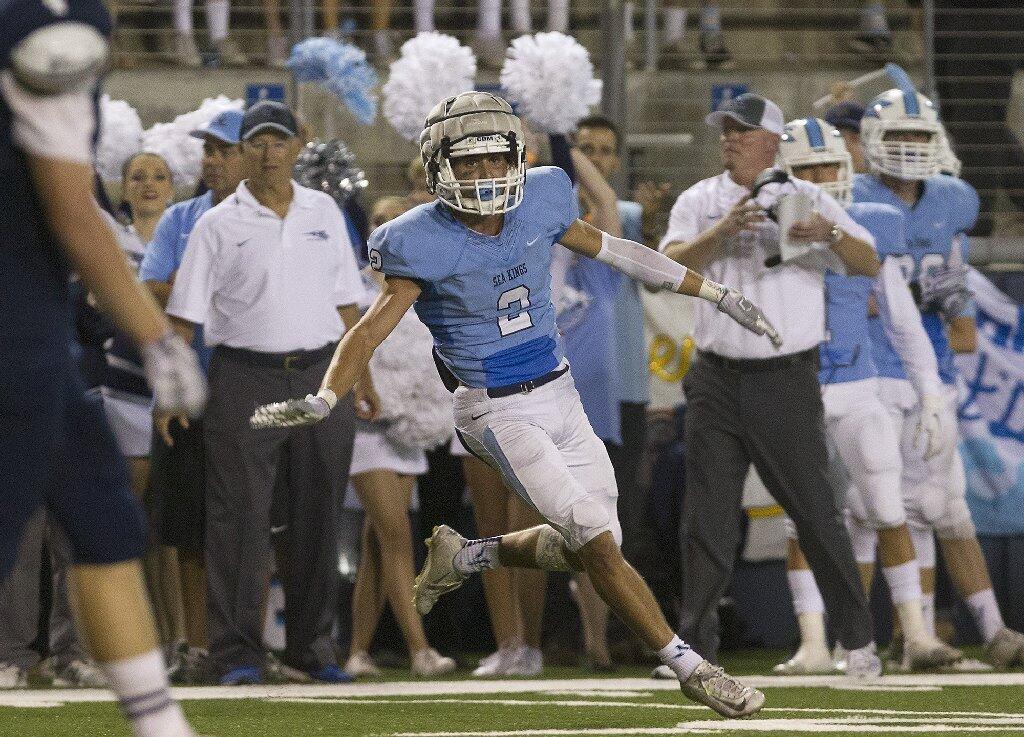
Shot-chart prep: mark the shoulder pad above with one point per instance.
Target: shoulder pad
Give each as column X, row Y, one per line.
column 59, row 57
column 885, row 223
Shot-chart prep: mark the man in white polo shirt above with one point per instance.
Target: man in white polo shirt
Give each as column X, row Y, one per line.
column 271, row 275
column 749, row 402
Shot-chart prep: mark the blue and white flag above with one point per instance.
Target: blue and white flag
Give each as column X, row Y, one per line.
column 992, row 412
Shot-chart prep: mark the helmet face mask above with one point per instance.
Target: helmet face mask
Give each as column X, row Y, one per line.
column 470, row 124
column 813, row 142
column 895, row 112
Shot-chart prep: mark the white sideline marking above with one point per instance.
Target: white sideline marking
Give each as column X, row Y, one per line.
column 609, row 694
column 887, row 689
column 49, row 697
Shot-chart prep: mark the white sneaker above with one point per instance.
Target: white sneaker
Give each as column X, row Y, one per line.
column 361, row 665
column 497, row 663
column 11, row 676
column 439, row 575
column 863, row 662
column 929, row 653
column 430, row 662
column 663, row 673
column 712, row 686
column 525, row 662
column 80, row 673
column 809, row 660
column 1006, row 649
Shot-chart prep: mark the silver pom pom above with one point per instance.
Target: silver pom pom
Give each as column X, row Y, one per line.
column 329, row 166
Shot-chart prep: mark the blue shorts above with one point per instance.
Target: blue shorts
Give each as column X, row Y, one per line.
column 57, row 452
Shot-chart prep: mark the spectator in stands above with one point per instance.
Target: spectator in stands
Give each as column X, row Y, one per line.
column 384, row 473
column 746, row 401
column 873, row 35
column 183, row 50
column 271, row 275
column 711, row 40
column 178, row 470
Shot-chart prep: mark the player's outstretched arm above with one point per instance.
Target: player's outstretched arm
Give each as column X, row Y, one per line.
column 350, row 360
column 660, row 272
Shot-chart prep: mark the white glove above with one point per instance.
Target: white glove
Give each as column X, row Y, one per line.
column 174, row 375
column 747, row 314
column 931, row 435
column 292, row 413
column 946, row 290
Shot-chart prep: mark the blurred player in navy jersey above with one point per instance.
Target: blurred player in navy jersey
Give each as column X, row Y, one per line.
column 477, row 265
column 55, row 447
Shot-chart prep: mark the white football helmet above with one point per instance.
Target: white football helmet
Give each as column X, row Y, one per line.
column 899, row 111
column 949, row 163
column 812, row 141
column 464, row 125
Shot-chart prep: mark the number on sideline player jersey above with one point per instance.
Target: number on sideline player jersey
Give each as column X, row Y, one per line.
column 847, row 353
column 935, row 225
column 485, row 299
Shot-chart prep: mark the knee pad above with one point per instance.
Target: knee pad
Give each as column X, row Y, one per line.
column 588, row 517
column 924, row 545
column 864, row 539
column 550, row 552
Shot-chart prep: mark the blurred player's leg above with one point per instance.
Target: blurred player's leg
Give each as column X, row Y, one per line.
column 812, row 656
column 530, row 587
column 367, row 605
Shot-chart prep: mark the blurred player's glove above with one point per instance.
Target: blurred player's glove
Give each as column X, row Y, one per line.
column 931, row 436
column 749, row 315
column 174, row 375
column 292, row 413
column 946, row 290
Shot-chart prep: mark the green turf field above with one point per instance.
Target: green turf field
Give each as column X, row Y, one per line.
column 563, row 703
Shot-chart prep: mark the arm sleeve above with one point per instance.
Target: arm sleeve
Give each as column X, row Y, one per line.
column 902, row 323
column 641, row 263
column 158, row 261
column 193, row 286
column 682, row 221
column 50, row 126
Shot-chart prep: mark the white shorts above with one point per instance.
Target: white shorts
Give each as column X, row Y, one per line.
column 933, row 490
column 373, row 450
column 131, row 419
column 543, row 445
column 861, row 431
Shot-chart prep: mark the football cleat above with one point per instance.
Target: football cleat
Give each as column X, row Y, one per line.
column 928, row 654
column 525, row 662
column 439, row 575
column 1006, row 649
column 712, row 686
column 809, row 660
column 863, row 662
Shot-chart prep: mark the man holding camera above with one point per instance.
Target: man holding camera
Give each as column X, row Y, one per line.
column 751, row 402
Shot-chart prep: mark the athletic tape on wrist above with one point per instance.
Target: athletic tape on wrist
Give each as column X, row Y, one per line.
column 328, row 396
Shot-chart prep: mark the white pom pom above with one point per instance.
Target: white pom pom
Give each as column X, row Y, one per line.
column 431, row 68
column 550, row 78
column 120, row 136
column 416, row 409
column 182, row 152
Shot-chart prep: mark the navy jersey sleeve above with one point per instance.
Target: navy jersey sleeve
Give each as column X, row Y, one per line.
column 885, row 223
column 410, row 247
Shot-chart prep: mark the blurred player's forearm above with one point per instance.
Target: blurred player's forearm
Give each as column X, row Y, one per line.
column 161, row 291
column 66, row 192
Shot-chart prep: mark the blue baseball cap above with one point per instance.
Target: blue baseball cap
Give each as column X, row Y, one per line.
column 845, row 115
column 226, row 127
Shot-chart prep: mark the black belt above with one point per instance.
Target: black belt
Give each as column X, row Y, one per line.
column 291, row 361
column 496, row 392
column 760, row 364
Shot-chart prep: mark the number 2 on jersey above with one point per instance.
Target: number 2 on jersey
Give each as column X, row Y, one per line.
column 521, row 320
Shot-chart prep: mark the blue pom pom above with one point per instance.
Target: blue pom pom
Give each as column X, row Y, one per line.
column 342, row 70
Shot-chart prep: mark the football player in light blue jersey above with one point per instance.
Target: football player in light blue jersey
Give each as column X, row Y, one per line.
column 858, row 425
column 476, row 264
column 904, row 144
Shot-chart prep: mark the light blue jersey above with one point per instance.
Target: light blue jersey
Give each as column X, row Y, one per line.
column 485, row 299
column 935, row 226
column 847, row 354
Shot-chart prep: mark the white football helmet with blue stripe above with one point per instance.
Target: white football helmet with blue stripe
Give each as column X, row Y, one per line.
column 811, row 142
column 898, row 111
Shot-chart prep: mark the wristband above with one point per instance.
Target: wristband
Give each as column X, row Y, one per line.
column 711, row 291
column 328, row 396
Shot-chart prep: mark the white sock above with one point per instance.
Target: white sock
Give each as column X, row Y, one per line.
column 522, row 22
column 710, row 17
column 478, row 555
column 986, row 613
column 424, row 10
column 905, row 588
column 217, row 19
column 928, row 611
column 806, row 596
column 182, row 12
column 680, row 657
column 812, row 628
column 141, row 686
column 488, row 19
column 924, row 546
column 558, row 15
column 675, row 25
